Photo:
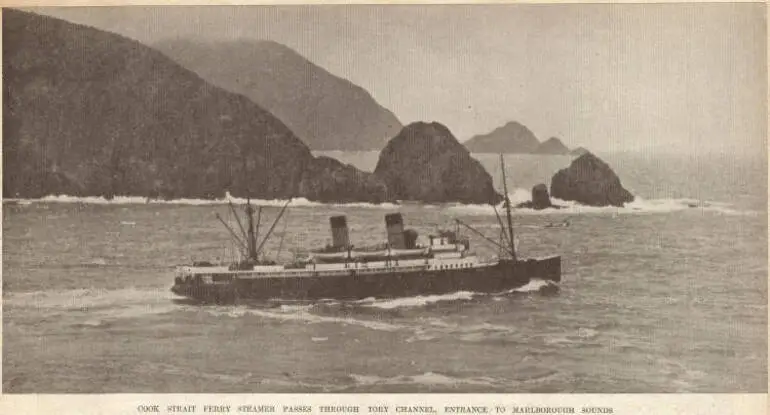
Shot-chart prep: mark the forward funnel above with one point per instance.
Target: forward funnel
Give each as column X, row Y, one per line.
column 394, row 224
column 340, row 238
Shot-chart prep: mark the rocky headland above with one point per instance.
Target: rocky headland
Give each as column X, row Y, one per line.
column 514, row 138
column 330, row 181
column 91, row 113
column 426, row 163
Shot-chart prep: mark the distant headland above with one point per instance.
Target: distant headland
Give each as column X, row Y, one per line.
column 516, row 138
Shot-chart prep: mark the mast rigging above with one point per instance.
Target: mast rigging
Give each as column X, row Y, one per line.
column 243, row 246
column 275, row 222
column 237, row 219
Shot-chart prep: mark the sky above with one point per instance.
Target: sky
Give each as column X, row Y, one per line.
column 635, row 77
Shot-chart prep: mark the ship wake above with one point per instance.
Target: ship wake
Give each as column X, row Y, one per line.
column 404, row 316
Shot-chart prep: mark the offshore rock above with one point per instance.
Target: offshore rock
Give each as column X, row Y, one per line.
column 540, row 199
column 426, row 163
column 328, row 180
column 590, row 181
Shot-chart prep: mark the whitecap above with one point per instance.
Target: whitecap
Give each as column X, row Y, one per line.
column 301, row 315
column 141, row 200
column 639, row 205
column 418, row 301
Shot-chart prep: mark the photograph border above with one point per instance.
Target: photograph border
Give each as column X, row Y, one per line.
column 129, row 403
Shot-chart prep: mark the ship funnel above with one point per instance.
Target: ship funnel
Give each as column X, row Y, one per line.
column 394, row 224
column 340, row 236
column 410, row 238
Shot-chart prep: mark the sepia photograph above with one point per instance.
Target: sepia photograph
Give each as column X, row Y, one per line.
column 384, row 199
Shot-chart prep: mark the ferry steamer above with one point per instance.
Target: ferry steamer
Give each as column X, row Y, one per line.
column 396, row 269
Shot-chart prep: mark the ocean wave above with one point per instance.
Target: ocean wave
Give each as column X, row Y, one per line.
column 418, row 329
column 299, row 314
column 94, row 304
column 426, row 379
column 140, row 200
column 433, row 380
column 416, row 301
column 534, row 285
column 639, row 205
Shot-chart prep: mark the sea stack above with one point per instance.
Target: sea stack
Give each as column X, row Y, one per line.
column 426, row 163
column 540, row 199
column 590, row 181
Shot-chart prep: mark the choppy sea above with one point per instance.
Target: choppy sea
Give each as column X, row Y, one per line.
column 668, row 294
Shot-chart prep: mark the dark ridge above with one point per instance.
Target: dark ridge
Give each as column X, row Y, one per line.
column 327, row 112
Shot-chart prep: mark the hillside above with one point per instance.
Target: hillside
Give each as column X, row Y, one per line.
column 91, row 113
column 510, row 138
column 327, row 112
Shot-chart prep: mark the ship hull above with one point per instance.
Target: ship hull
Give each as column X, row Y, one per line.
column 499, row 277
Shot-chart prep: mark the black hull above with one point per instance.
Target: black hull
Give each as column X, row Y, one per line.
column 505, row 275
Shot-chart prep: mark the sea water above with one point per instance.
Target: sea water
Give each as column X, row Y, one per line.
column 667, row 294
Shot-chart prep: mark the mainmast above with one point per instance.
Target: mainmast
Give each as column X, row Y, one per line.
column 252, row 239
column 508, row 209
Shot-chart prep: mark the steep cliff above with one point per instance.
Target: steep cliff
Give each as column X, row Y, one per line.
column 327, row 112
column 91, row 113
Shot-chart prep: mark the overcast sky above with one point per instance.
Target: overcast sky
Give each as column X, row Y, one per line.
column 666, row 77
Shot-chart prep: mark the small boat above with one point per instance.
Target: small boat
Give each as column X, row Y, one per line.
column 399, row 268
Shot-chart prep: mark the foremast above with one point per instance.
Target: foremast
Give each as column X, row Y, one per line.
column 248, row 238
column 511, row 242
column 252, row 237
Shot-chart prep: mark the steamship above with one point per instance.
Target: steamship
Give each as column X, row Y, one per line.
column 399, row 268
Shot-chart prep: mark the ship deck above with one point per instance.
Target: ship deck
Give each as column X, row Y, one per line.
column 333, row 270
